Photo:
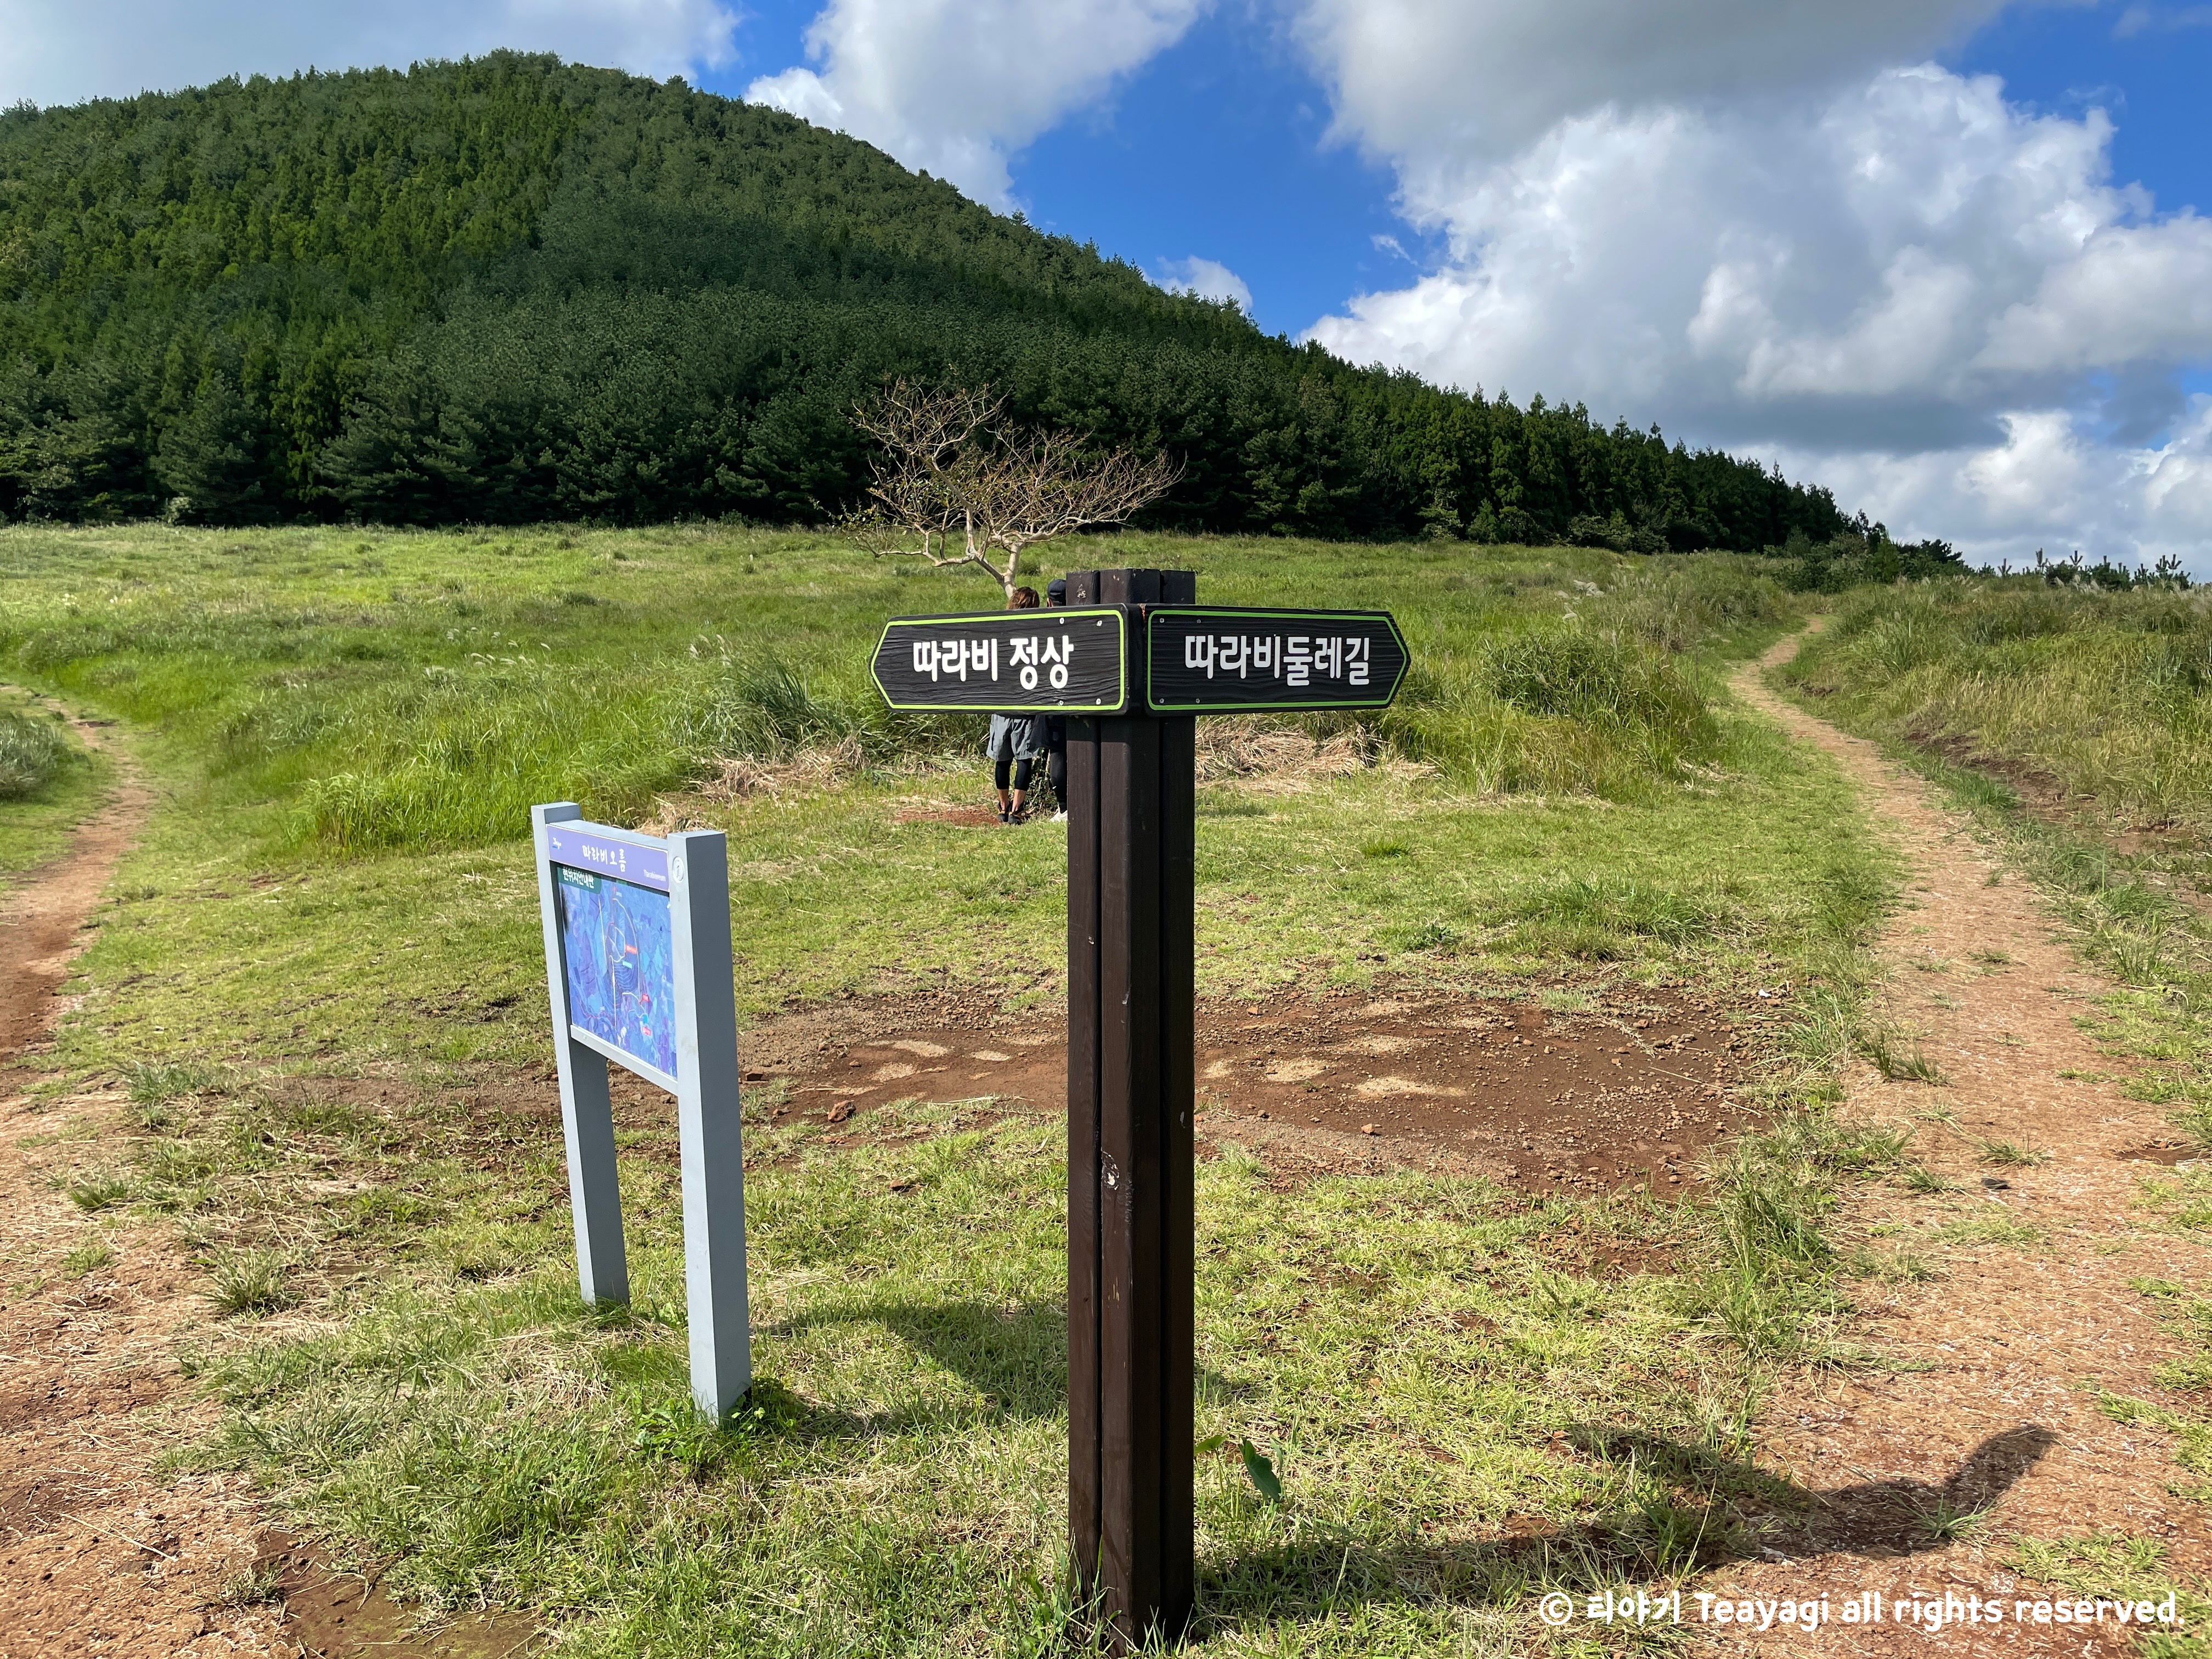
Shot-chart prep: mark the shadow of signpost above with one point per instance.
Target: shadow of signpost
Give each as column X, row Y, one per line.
column 1905, row 1518
column 1717, row 1509
column 1738, row 1513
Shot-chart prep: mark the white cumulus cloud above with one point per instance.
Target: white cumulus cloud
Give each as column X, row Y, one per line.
column 57, row 54
column 1897, row 283
column 2047, row 484
column 1437, row 84
column 1207, row 278
column 956, row 87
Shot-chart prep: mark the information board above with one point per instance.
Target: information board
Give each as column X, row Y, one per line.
column 1214, row 660
column 618, row 954
column 638, row 971
column 1006, row 662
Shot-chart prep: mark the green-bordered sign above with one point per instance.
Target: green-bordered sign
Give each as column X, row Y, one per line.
column 1007, row 662
column 1195, row 660
column 1209, row 659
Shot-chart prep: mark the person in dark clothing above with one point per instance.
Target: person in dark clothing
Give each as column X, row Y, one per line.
column 1051, row 738
column 1012, row 749
column 1014, row 743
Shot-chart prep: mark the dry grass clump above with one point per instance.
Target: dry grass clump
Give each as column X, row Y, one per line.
column 805, row 771
column 1235, row 748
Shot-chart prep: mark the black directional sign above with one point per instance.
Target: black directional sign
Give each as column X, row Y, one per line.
column 1213, row 661
column 1007, row 661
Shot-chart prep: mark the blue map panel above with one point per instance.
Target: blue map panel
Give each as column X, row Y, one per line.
column 615, row 942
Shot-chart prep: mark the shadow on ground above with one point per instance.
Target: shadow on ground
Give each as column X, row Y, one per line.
column 1720, row 1511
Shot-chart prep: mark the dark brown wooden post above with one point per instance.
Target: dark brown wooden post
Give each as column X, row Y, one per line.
column 1132, row 831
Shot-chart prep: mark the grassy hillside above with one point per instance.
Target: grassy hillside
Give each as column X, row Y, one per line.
column 367, row 692
column 2074, row 693
column 334, row 1047
column 510, row 290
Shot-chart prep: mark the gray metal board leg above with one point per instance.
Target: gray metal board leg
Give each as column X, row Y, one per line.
column 712, row 1146
column 588, row 1120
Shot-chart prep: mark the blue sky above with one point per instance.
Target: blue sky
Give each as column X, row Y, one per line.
column 1219, row 146
column 2156, row 82
column 1951, row 258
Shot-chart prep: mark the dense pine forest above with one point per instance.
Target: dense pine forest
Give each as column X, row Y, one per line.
column 512, row 289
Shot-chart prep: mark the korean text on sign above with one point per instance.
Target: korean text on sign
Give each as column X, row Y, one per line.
column 1294, row 659
column 1037, row 656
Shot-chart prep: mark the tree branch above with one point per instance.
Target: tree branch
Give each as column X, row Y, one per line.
column 948, row 469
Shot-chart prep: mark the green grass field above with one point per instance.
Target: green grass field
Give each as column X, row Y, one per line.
column 320, row 978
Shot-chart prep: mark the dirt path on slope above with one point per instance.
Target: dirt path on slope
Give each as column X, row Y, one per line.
column 95, row 1557
column 1991, row 1393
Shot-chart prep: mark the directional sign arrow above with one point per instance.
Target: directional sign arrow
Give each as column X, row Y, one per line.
column 1007, row 662
column 1207, row 659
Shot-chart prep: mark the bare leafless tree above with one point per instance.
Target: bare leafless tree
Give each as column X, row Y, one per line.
column 954, row 482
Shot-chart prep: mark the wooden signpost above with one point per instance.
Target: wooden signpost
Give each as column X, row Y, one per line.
column 1132, row 922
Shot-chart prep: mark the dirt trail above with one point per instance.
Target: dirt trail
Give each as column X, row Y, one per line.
column 99, row 1556
column 42, row 919
column 1998, row 1360
column 96, row 1558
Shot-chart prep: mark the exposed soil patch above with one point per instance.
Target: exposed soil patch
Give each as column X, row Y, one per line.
column 328, row 1615
column 963, row 817
column 1630, row 1092
column 2030, row 1314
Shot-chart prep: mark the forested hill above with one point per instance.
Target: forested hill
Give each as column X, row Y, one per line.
column 511, row 289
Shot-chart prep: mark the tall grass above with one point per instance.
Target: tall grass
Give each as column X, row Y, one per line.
column 1609, row 699
column 33, row 754
column 1562, row 710
column 457, row 758
column 2102, row 695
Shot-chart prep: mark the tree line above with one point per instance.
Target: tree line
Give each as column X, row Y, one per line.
column 509, row 290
